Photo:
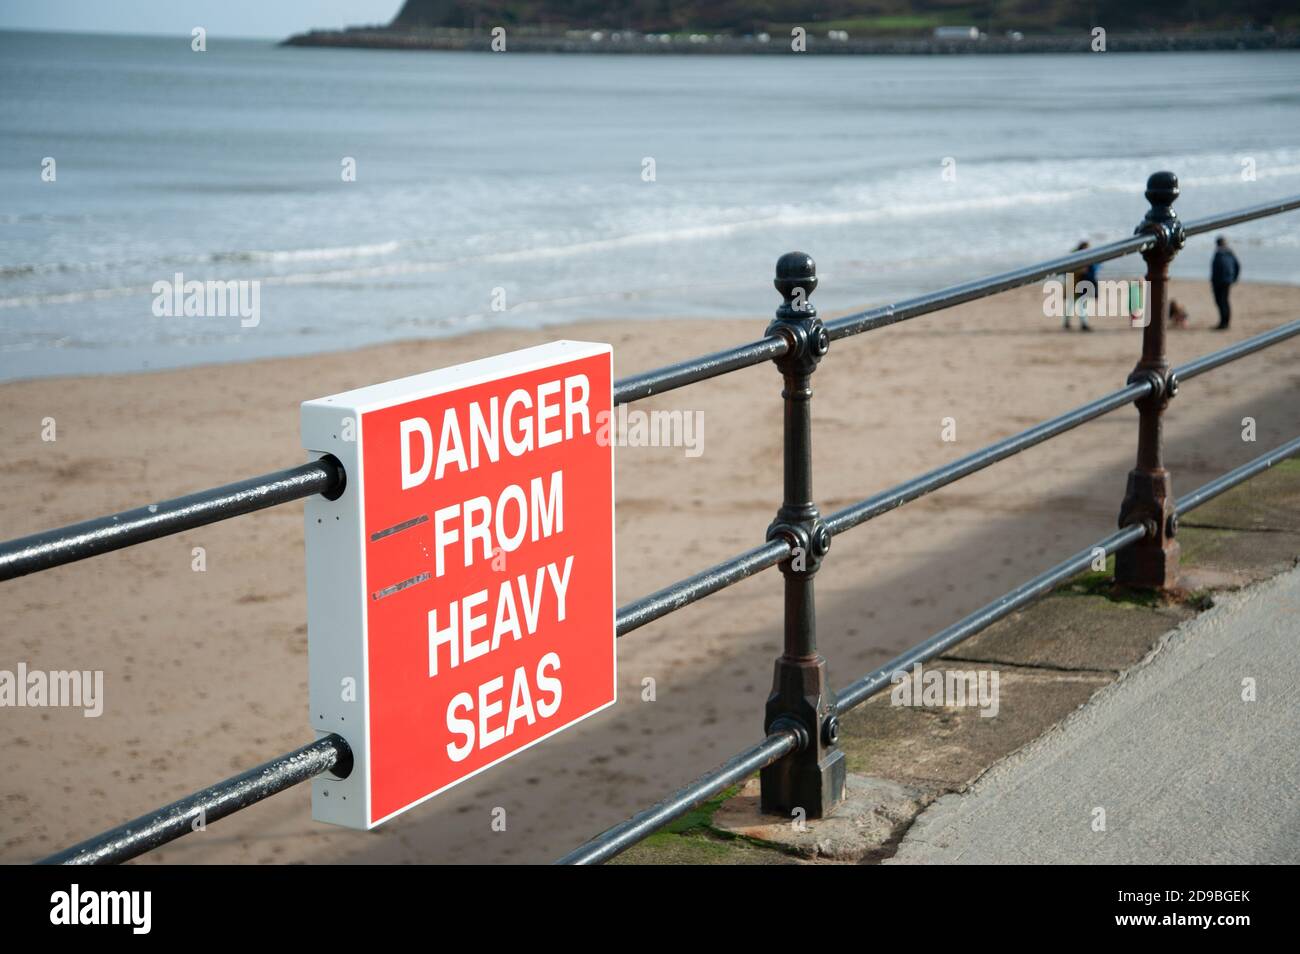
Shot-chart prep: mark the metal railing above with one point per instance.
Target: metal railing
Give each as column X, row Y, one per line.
column 799, row 759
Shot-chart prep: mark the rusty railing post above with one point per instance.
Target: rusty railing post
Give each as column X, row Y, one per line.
column 812, row 777
column 1152, row 562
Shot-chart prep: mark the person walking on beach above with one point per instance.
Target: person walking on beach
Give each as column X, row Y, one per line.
column 1224, row 272
column 1085, row 286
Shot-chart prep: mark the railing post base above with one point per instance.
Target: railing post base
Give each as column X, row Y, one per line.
column 1151, row 563
column 812, row 778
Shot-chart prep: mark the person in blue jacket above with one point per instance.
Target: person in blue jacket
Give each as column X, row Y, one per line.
column 1224, row 272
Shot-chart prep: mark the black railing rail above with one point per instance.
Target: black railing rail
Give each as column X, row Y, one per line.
column 43, row 551
column 802, row 723
column 1212, row 223
column 330, row 753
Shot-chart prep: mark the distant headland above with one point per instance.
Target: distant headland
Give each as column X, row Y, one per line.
column 824, row 27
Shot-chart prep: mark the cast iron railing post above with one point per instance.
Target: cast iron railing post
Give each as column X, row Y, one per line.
column 812, row 777
column 1152, row 562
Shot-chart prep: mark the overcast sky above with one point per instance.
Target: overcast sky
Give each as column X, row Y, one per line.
column 263, row 18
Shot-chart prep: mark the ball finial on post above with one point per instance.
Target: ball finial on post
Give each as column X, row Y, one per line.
column 1162, row 188
column 796, row 317
column 796, row 280
column 1161, row 220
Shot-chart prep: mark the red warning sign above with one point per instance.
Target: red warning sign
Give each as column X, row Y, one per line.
column 482, row 498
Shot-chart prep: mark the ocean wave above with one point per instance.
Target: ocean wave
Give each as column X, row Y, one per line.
column 74, row 297
column 29, row 269
column 307, row 254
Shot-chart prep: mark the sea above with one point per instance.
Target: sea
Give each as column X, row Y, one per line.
column 364, row 196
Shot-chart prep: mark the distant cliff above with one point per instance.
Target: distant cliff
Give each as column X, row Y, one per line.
column 862, row 16
column 832, row 26
column 649, row 44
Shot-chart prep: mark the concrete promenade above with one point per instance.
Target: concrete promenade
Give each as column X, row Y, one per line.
column 1192, row 758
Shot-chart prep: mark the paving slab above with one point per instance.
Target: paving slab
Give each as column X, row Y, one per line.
column 1074, row 631
column 1245, row 556
column 1270, row 501
column 945, row 748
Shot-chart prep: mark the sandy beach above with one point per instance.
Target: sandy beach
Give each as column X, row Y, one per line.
column 205, row 673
